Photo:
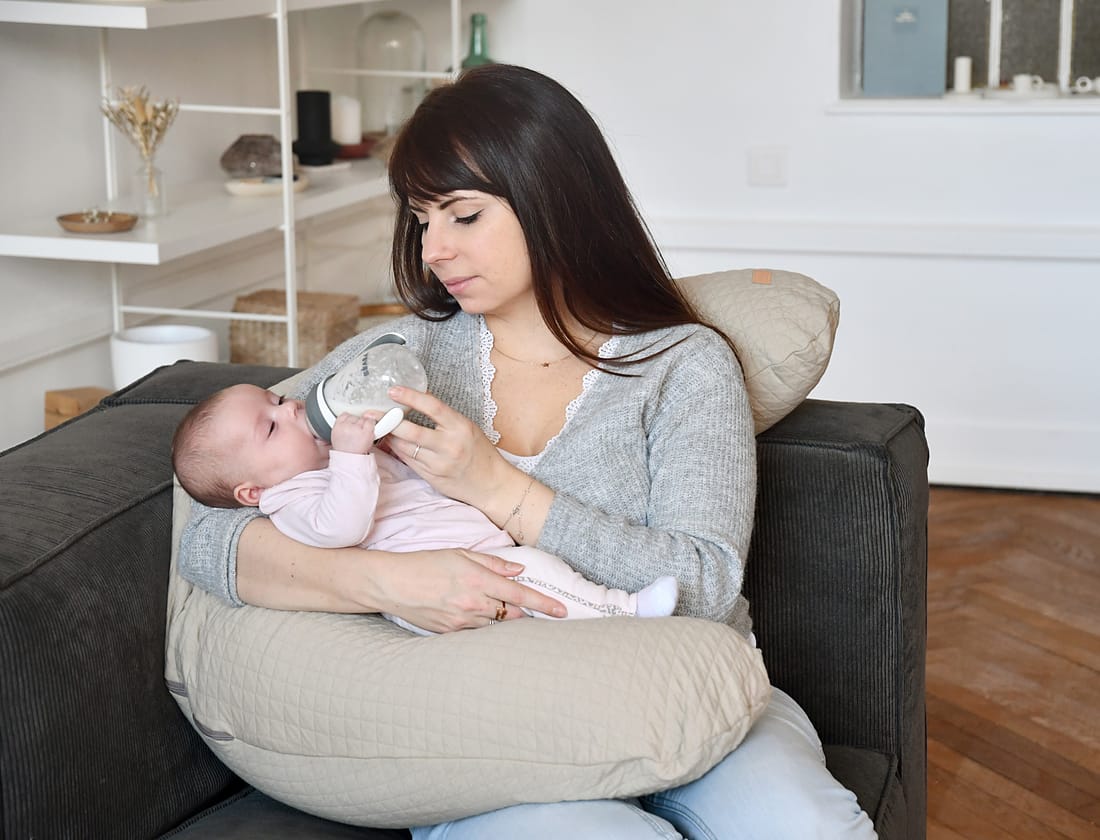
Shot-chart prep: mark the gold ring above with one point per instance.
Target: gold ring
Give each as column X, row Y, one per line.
column 416, row 451
column 502, row 611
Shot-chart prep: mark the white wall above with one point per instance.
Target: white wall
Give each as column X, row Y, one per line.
column 965, row 249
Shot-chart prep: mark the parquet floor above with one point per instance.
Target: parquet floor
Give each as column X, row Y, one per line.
column 1013, row 666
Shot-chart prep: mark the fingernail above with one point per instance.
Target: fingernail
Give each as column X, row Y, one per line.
column 396, row 391
column 560, row 612
column 513, row 567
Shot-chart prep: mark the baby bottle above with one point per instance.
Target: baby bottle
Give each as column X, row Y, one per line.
column 363, row 383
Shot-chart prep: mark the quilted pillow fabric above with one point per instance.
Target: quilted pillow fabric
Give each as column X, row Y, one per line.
column 354, row 719
column 782, row 324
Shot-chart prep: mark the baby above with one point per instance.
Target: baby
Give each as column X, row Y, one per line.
column 245, row 446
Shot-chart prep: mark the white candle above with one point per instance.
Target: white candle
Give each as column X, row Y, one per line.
column 962, row 74
column 345, row 121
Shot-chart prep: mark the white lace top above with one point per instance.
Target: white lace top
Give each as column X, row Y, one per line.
column 527, row 463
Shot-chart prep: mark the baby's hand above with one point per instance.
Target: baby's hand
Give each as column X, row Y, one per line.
column 351, row 433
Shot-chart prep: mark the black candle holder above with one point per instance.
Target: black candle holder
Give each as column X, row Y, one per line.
column 315, row 146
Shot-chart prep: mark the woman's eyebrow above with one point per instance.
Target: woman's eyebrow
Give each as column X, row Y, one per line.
column 444, row 204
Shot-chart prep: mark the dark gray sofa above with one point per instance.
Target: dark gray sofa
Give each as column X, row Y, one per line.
column 92, row 745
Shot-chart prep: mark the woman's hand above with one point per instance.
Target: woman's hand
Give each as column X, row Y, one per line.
column 448, row 589
column 459, row 461
column 455, row 457
column 456, row 589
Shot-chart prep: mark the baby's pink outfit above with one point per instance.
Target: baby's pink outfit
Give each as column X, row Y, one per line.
column 375, row 501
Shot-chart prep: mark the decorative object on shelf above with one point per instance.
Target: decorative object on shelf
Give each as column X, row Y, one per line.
column 479, row 44
column 269, row 185
column 904, row 50
column 314, row 145
column 361, row 149
column 253, row 156
column 140, row 350
column 392, row 42
column 327, row 169
column 347, row 120
column 97, row 221
column 144, row 122
column 1084, row 84
column 325, row 319
column 963, row 66
column 1027, row 83
column 961, row 79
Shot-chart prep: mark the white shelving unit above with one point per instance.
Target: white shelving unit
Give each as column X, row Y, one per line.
column 203, row 215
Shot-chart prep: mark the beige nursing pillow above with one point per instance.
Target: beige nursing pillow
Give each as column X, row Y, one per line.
column 354, row 719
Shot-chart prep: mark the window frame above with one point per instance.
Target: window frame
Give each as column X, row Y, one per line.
column 851, row 51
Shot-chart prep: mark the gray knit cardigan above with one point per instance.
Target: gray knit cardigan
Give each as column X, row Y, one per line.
column 655, row 472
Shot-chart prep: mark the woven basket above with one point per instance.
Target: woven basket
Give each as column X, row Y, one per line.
column 324, row 320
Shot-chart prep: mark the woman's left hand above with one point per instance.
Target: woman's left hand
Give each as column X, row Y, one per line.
column 455, row 457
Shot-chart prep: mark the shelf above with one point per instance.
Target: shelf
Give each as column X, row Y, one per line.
column 1070, row 105
column 150, row 14
column 201, row 216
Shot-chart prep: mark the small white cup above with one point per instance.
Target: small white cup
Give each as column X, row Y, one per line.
column 1026, row 83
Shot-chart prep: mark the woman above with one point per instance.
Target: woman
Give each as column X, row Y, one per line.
column 577, row 400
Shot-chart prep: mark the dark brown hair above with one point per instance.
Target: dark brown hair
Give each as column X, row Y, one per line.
column 199, row 459
column 519, row 135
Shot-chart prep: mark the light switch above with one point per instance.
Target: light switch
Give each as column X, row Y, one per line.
column 767, row 166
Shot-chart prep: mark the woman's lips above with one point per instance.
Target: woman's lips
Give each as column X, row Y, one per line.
column 455, row 285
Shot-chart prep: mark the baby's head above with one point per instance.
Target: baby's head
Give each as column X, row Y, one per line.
column 240, row 441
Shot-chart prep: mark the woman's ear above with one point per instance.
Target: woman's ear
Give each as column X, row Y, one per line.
column 248, row 494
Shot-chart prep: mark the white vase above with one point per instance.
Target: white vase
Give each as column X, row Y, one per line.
column 140, row 350
column 148, row 190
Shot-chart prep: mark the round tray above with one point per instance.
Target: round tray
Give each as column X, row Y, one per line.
column 109, row 222
column 271, row 185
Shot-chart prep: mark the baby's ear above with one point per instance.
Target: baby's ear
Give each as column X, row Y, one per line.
column 248, row 494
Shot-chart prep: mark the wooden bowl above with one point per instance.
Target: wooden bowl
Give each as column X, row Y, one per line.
column 108, row 222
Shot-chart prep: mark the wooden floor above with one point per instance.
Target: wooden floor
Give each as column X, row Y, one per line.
column 1013, row 665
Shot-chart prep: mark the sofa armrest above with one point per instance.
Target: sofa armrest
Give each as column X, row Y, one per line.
column 93, row 745
column 837, row 575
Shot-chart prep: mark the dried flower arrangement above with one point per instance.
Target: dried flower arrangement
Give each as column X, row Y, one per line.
column 143, row 121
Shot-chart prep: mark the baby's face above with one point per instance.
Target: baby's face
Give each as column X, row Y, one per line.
column 269, row 435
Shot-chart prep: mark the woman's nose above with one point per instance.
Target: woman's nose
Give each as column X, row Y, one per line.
column 435, row 245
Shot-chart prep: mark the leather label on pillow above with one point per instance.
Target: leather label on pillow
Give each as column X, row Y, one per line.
column 762, row 276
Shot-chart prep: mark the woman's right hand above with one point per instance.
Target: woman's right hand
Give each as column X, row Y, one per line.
column 441, row 590
column 453, row 589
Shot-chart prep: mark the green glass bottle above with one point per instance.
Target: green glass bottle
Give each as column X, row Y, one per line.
column 479, row 45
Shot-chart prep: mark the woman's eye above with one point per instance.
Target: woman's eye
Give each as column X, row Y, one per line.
column 468, row 220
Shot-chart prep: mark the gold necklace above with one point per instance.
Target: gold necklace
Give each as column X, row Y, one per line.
column 529, row 362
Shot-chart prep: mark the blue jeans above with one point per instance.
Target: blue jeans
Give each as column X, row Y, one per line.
column 774, row 785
